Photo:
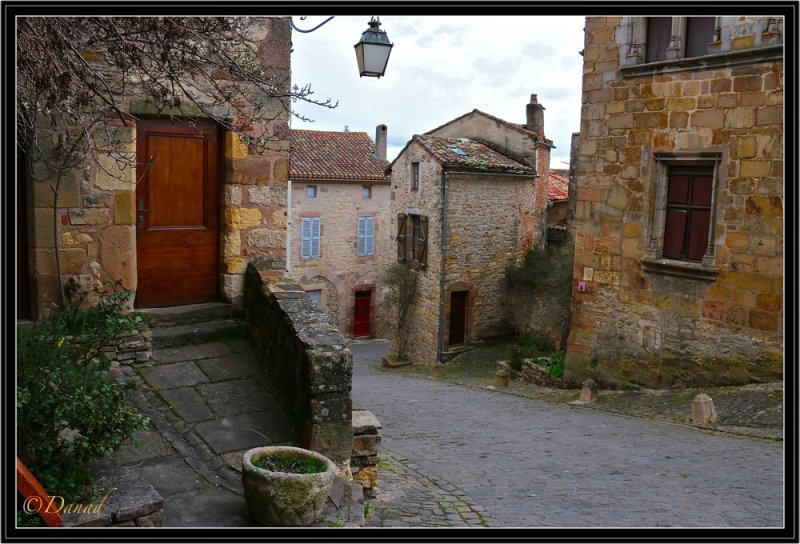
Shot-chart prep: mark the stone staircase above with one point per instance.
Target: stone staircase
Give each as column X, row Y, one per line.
column 194, row 323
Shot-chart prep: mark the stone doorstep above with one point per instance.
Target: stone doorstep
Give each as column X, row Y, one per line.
column 196, row 333
column 192, row 313
column 127, row 498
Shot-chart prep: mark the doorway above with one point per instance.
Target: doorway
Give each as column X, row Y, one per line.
column 458, row 318
column 361, row 314
column 177, row 213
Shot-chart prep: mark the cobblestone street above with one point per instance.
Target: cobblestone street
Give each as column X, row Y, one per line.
column 458, row 456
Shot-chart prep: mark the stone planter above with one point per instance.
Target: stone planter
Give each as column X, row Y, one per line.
column 283, row 498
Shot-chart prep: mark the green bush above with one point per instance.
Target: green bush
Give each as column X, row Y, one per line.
column 555, row 366
column 69, row 411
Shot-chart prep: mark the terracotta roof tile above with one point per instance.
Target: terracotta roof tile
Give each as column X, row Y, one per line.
column 557, row 187
column 340, row 156
column 470, row 155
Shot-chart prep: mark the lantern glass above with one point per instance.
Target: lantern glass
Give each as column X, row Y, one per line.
column 372, row 51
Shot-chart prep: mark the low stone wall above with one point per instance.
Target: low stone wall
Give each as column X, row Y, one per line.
column 307, row 363
column 366, row 449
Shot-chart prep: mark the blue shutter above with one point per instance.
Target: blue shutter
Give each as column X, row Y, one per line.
column 369, row 235
column 305, row 237
column 315, row 237
column 362, row 240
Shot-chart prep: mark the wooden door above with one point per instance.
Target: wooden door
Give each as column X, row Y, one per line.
column 177, row 200
column 458, row 318
column 361, row 313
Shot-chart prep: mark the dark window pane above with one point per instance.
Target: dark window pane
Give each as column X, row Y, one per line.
column 674, row 232
column 659, row 30
column 678, row 190
column 699, row 33
column 698, row 234
column 701, row 190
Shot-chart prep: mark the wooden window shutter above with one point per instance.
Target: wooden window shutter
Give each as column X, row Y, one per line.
column 423, row 241
column 401, row 237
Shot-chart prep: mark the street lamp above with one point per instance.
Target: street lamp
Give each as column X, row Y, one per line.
column 372, row 51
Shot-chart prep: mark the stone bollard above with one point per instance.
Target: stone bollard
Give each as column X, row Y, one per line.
column 703, row 411
column 588, row 391
column 366, row 449
column 501, row 378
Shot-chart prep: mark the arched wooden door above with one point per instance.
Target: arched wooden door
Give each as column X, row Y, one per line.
column 177, row 207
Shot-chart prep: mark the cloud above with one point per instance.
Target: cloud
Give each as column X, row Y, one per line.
column 437, row 72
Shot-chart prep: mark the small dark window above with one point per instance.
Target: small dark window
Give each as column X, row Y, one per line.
column 659, row 30
column 414, row 176
column 688, row 213
column 699, row 33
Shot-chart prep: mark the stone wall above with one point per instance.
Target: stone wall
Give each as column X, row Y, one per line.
column 96, row 210
column 487, row 232
column 489, row 226
column 366, row 450
column 422, row 346
column 643, row 319
column 308, row 362
column 339, row 272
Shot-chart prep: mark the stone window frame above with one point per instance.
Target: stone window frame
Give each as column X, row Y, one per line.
column 366, row 191
column 633, row 50
column 311, row 191
column 653, row 261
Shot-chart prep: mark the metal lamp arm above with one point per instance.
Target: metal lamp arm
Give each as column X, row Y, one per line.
column 312, row 29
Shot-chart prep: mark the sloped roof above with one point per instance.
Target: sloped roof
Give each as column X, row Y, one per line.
column 470, row 155
column 340, row 156
column 557, row 187
column 513, row 126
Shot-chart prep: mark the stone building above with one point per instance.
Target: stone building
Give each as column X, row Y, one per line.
column 337, row 245
column 480, row 203
column 678, row 275
column 179, row 232
column 557, row 201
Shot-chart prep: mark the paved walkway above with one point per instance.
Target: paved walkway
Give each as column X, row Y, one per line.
column 456, row 456
column 208, row 404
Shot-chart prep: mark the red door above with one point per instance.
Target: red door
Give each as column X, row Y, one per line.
column 361, row 313
column 177, row 199
column 458, row 318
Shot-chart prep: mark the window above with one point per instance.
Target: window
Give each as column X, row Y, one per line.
column 310, row 238
column 316, row 296
column 699, row 33
column 311, row 191
column 366, row 192
column 412, row 239
column 681, row 225
column 688, row 213
column 659, row 30
column 414, row 176
column 366, row 236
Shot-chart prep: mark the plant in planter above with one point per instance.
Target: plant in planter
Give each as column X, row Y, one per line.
column 286, row 486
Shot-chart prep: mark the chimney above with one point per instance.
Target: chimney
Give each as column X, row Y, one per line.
column 380, row 141
column 534, row 115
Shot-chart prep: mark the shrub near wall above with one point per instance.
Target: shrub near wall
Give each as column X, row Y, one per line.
column 307, row 362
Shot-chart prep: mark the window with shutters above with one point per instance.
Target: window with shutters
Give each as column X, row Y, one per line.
column 414, row 176
column 698, row 35
column 366, row 236
column 682, row 224
column 688, row 213
column 310, row 238
column 659, row 30
column 412, row 239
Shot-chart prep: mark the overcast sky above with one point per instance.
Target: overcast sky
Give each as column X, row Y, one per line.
column 441, row 68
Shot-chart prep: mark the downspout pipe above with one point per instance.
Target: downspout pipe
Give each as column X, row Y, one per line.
column 289, row 228
column 440, row 350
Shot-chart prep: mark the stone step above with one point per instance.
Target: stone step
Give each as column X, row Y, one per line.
column 195, row 333
column 191, row 313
